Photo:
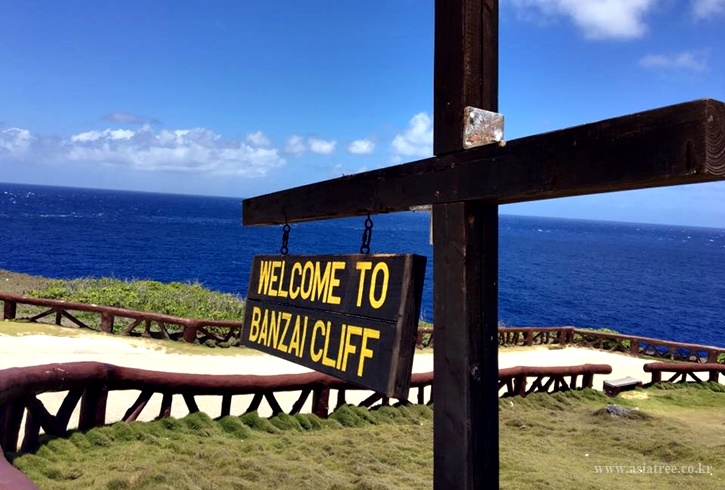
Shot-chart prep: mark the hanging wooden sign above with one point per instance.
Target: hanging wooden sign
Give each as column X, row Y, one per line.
column 351, row 316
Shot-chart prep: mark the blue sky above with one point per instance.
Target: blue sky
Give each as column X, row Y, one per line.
column 239, row 98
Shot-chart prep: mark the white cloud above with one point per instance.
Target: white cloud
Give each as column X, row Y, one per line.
column 197, row 150
column 15, row 142
column 685, row 60
column 361, row 147
column 106, row 134
column 416, row 141
column 295, row 145
column 703, row 9
column 258, row 139
column 323, row 147
column 597, row 19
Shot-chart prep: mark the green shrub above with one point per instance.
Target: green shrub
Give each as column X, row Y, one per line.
column 188, row 300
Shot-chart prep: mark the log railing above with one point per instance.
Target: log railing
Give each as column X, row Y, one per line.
column 11, row 478
column 223, row 331
column 191, row 328
column 89, row 383
column 610, row 342
column 684, row 372
column 516, row 380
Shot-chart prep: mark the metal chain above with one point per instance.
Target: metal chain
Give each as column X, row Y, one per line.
column 285, row 239
column 367, row 236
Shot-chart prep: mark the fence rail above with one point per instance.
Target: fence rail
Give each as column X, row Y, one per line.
column 191, row 328
column 611, row 342
column 91, row 382
column 684, row 372
column 223, row 331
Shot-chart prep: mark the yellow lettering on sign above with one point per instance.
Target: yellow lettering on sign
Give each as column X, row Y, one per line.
column 365, row 353
column 326, row 361
column 349, row 347
column 362, row 267
column 294, row 343
column 269, row 288
column 286, row 317
column 378, row 302
column 263, row 329
column 330, row 298
column 294, row 291
column 254, row 323
column 264, row 272
column 319, row 326
column 304, row 337
column 338, row 361
column 321, row 282
column 281, row 292
column 274, row 326
column 308, row 272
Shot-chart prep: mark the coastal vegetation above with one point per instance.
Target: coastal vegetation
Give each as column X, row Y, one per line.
column 547, row 441
column 188, row 300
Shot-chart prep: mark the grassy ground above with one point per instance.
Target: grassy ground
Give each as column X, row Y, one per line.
column 547, row 441
column 15, row 283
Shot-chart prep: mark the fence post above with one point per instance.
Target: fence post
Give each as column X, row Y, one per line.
column 10, row 309
column 634, row 347
column 11, row 417
column 321, row 401
column 520, row 384
column 93, row 407
column 107, row 320
column 190, row 329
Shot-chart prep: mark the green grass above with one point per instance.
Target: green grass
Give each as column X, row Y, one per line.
column 300, row 452
column 16, row 283
column 556, row 441
column 547, row 441
column 190, row 300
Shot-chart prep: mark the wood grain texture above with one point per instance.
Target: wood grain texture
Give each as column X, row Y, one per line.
column 465, row 74
column 465, row 429
column 680, row 144
column 715, row 152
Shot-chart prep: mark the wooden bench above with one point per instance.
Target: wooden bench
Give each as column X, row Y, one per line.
column 615, row 386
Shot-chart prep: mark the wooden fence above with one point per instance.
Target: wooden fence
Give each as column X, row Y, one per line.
column 684, row 372
column 610, row 342
column 223, row 331
column 191, row 328
column 91, row 382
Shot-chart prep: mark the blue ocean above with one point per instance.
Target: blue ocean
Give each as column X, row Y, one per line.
column 652, row 280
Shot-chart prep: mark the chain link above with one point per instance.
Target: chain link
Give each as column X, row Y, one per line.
column 285, row 239
column 367, row 236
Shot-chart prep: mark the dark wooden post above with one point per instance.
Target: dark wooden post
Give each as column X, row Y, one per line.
column 465, row 259
column 10, row 309
column 11, row 417
column 107, row 320
column 93, row 407
column 190, row 329
column 321, row 401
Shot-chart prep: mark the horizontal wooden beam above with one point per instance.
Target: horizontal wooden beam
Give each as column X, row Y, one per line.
column 680, row 144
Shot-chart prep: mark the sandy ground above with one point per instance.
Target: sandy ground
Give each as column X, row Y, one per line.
column 29, row 350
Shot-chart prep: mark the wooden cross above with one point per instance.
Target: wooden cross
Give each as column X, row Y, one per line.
column 681, row 144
